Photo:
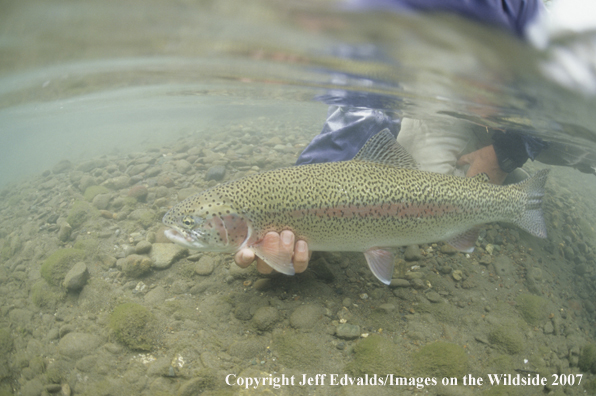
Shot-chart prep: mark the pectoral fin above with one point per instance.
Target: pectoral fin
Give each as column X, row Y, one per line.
column 465, row 241
column 268, row 250
column 380, row 262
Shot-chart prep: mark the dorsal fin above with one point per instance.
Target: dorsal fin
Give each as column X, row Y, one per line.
column 384, row 149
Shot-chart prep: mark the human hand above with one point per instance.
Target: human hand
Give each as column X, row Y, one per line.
column 284, row 242
column 483, row 161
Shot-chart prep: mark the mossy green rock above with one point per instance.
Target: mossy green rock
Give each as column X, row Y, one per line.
column 441, row 359
column 587, row 358
column 507, row 338
column 6, row 345
column 6, row 342
column 590, row 386
column 80, row 212
column 46, row 296
column 135, row 326
column 532, row 308
column 88, row 245
column 54, row 269
column 375, row 354
column 296, row 350
column 92, row 191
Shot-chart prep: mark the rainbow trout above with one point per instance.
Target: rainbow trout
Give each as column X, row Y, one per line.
column 371, row 204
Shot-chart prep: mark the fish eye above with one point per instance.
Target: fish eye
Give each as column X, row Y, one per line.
column 188, row 221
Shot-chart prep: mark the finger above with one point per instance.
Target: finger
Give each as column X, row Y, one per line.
column 263, row 267
column 244, row 257
column 287, row 240
column 301, row 257
column 464, row 160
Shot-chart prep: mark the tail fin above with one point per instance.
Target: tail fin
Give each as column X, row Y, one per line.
column 532, row 219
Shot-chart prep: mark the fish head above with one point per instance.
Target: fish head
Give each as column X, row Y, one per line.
column 205, row 222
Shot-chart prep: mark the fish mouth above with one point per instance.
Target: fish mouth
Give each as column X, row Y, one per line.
column 182, row 238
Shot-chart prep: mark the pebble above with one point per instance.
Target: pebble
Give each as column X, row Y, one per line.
column 347, row 331
column 434, row 297
column 143, row 247
column 117, row 183
column 306, row 316
column 262, row 284
column 399, row 283
column 457, row 275
column 548, row 328
column 155, row 296
column 242, row 273
column 139, row 192
column 216, row 173
column 65, row 231
column 265, row 317
column 412, row 253
column 76, row 345
column 165, row 254
column 387, row 308
column 183, row 166
column 136, row 169
column 448, row 249
column 136, row 265
column 101, row 201
column 64, row 330
column 205, row 266
column 76, row 278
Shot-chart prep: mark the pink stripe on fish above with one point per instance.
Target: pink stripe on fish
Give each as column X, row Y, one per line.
column 397, row 210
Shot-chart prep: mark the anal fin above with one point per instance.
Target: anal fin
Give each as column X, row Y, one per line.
column 465, row 241
column 380, row 262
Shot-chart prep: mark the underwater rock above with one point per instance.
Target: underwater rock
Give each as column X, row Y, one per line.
column 506, row 338
column 64, row 232
column 80, row 212
column 375, row 354
column 101, row 201
column 347, row 331
column 532, row 308
column 183, row 166
column 145, row 217
column 165, row 254
column 412, row 253
column 205, row 265
column 136, row 266
column 92, row 191
column 216, row 173
column 306, row 316
column 134, row 326
column 434, row 297
column 46, row 296
column 138, row 192
column 587, row 358
column 76, row 345
column 136, row 169
column 262, row 284
column 76, row 278
column 57, row 265
column 117, row 183
column 265, row 317
column 143, row 247
column 399, row 283
column 441, row 359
